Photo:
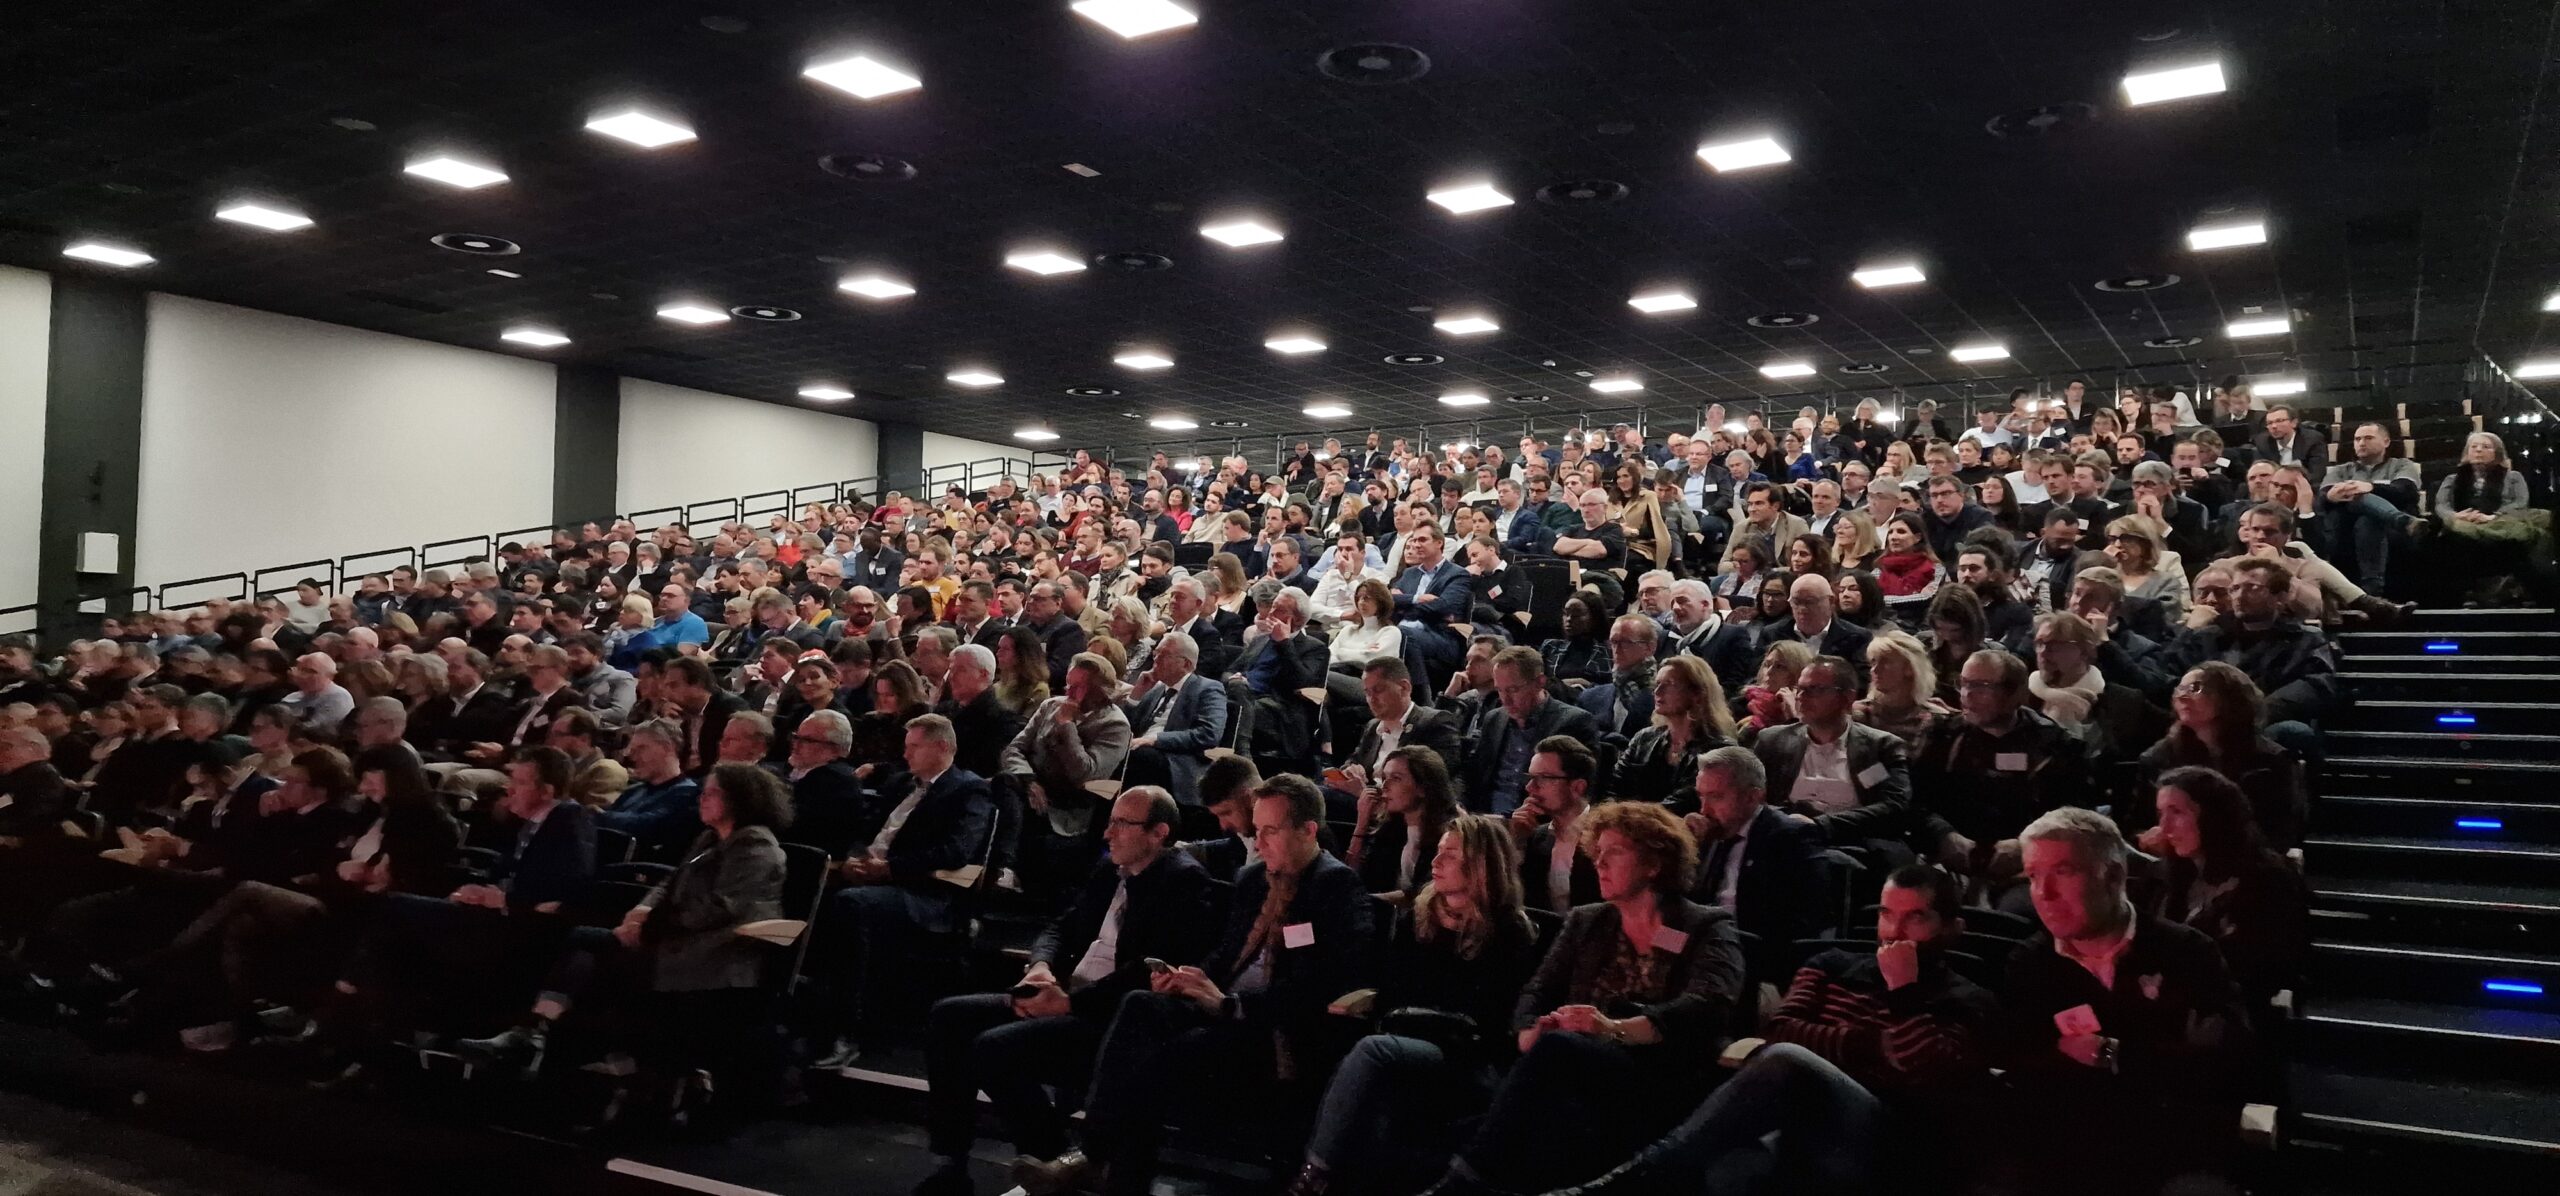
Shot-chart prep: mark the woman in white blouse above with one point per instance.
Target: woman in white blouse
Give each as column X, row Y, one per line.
column 1370, row 630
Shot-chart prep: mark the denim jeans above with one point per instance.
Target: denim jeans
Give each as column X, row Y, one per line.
column 1390, row 1105
column 2360, row 529
column 1827, row 1129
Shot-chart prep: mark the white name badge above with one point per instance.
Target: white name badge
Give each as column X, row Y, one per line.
column 1299, row 934
column 1671, row 939
column 1872, row 775
column 2010, row 762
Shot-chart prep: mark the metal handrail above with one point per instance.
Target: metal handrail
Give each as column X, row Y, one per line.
column 541, row 536
column 328, row 576
column 786, row 508
column 429, row 558
column 9, row 616
column 160, row 597
column 347, row 567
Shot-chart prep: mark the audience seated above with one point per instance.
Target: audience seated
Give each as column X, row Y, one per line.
column 1689, row 719
column 1982, row 774
column 1508, row 733
column 1556, row 869
column 1850, row 780
column 1623, row 704
column 2217, row 875
column 1177, row 716
column 1758, row 863
column 1398, row 820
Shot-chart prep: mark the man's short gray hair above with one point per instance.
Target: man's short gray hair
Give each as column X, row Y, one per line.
column 753, row 720
column 1693, row 588
column 976, row 656
column 936, row 729
column 1180, row 644
column 1655, row 575
column 1295, row 599
column 389, row 708
column 834, row 725
column 948, row 638
column 1189, row 584
column 1739, row 765
column 664, row 731
column 2094, row 833
column 1652, row 630
column 2154, row 471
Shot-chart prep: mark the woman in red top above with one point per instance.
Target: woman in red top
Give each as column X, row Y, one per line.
column 1908, row 571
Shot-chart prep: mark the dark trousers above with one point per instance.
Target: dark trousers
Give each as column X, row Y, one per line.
column 1166, row 1056
column 1387, row 1120
column 480, row 965
column 1828, row 1129
column 868, row 931
column 975, row 1043
column 1577, row 1105
column 2360, row 531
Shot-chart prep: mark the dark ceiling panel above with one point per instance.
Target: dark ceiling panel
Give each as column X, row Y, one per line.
column 2399, row 152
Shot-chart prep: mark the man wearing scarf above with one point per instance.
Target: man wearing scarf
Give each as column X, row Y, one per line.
column 1297, row 937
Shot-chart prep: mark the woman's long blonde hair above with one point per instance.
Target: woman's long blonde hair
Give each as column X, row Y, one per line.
column 1493, row 876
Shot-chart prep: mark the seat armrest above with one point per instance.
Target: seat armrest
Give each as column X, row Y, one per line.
column 1359, row 1002
column 2282, row 1003
column 2258, row 1126
column 1739, row 1051
column 781, row 932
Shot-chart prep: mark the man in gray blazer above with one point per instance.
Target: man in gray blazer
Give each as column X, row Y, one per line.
column 1175, row 715
column 1852, row 780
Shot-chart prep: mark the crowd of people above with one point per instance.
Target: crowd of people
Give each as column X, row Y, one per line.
column 1958, row 767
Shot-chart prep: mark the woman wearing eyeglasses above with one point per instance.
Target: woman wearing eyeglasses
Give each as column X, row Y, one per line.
column 2150, row 570
column 2220, row 715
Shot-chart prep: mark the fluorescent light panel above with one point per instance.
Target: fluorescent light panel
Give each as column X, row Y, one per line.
column 1467, row 325
column 1785, row 369
column 1469, row 197
column 1873, row 277
column 2175, row 83
column 1144, row 361
column 640, row 129
column 1237, row 234
column 108, row 255
column 454, row 172
column 1611, row 386
column 1327, row 411
column 1465, row 398
column 1984, row 352
column 2262, row 326
column 693, row 313
column 874, row 286
column 540, row 338
column 2548, row 367
column 1172, row 423
column 974, row 377
column 1135, row 18
column 2227, row 236
column 1034, row 433
column 1743, row 155
column 2551, row 302
column 1043, row 261
column 825, row 392
column 2273, row 387
column 862, row 76
column 274, row 220
column 1657, row 302
column 1294, row 344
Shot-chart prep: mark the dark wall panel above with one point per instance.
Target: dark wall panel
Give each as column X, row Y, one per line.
column 92, row 445
column 901, row 458
column 586, row 445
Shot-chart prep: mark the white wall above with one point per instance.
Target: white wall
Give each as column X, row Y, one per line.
column 689, row 446
column 268, row 440
column 26, row 318
column 957, row 450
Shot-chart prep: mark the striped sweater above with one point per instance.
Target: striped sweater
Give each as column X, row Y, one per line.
column 1925, row 1033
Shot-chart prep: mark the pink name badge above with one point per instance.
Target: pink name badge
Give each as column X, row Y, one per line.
column 2079, row 1019
column 1296, row 935
column 1671, row 939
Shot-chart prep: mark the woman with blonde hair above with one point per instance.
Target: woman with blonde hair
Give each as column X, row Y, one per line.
column 1228, row 571
column 1649, row 542
column 1769, row 700
column 1854, row 545
column 1690, row 719
column 2138, row 545
column 631, row 620
column 1902, row 686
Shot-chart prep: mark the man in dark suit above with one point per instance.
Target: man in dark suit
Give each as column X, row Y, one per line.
column 1215, row 631
column 1556, row 874
column 1188, row 1036
column 1282, row 664
column 1430, row 595
column 1699, row 630
column 1623, row 705
column 471, row 712
column 1395, row 721
column 874, row 565
column 1146, row 902
column 970, row 616
column 1809, row 599
column 1175, row 717
column 1762, row 865
column 826, row 798
column 1852, row 780
column 1061, row 636
column 33, row 798
column 700, row 706
column 1508, row 735
column 908, row 882
column 985, row 725
column 2287, row 441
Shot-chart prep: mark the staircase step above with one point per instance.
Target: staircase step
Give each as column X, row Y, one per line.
column 2360, row 646
column 2463, row 819
column 2501, row 663
column 2535, row 1029
column 2334, row 1104
column 2463, row 618
column 2446, row 686
column 2397, row 714
column 2460, row 747
column 2412, row 858
column 2390, row 893
column 2434, row 973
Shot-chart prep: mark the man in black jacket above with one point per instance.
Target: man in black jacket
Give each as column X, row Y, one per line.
column 1146, row 903
column 1815, row 621
column 2114, row 1019
column 701, row 707
column 826, row 798
column 1396, row 720
column 1699, row 630
column 1279, row 662
column 1852, row 780
column 1757, row 863
column 1497, row 763
column 33, row 798
column 1984, row 772
column 1297, row 937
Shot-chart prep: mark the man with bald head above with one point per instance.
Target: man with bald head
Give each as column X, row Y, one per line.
column 318, row 702
column 1809, row 601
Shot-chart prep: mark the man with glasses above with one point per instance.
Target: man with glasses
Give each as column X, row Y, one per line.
column 1144, row 903
column 1986, row 771
column 1623, row 705
column 2294, row 665
column 1852, row 781
column 1556, row 872
column 1814, row 622
column 1509, row 734
column 2155, row 493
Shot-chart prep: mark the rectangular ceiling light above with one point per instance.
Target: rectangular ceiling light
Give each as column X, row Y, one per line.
column 1135, row 18
column 1043, row 262
column 2227, row 236
column 640, row 129
column 862, row 76
column 2548, row 367
column 1743, row 155
column 540, row 338
column 1240, row 233
column 1612, row 386
column 108, row 255
column 1294, row 344
column 1661, row 301
column 1466, row 325
column 1172, row 423
column 1888, row 276
column 506, row 273
column 1992, row 352
column 2551, row 302
column 1143, row 361
column 1785, row 369
column 1034, row 432
column 2265, row 326
column 1473, row 197
column 693, row 313
column 454, row 172
column 825, row 393
column 2274, row 387
column 1465, row 398
column 974, row 378
column 2176, row 83
column 1327, row 411
column 274, row 220
column 873, row 286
